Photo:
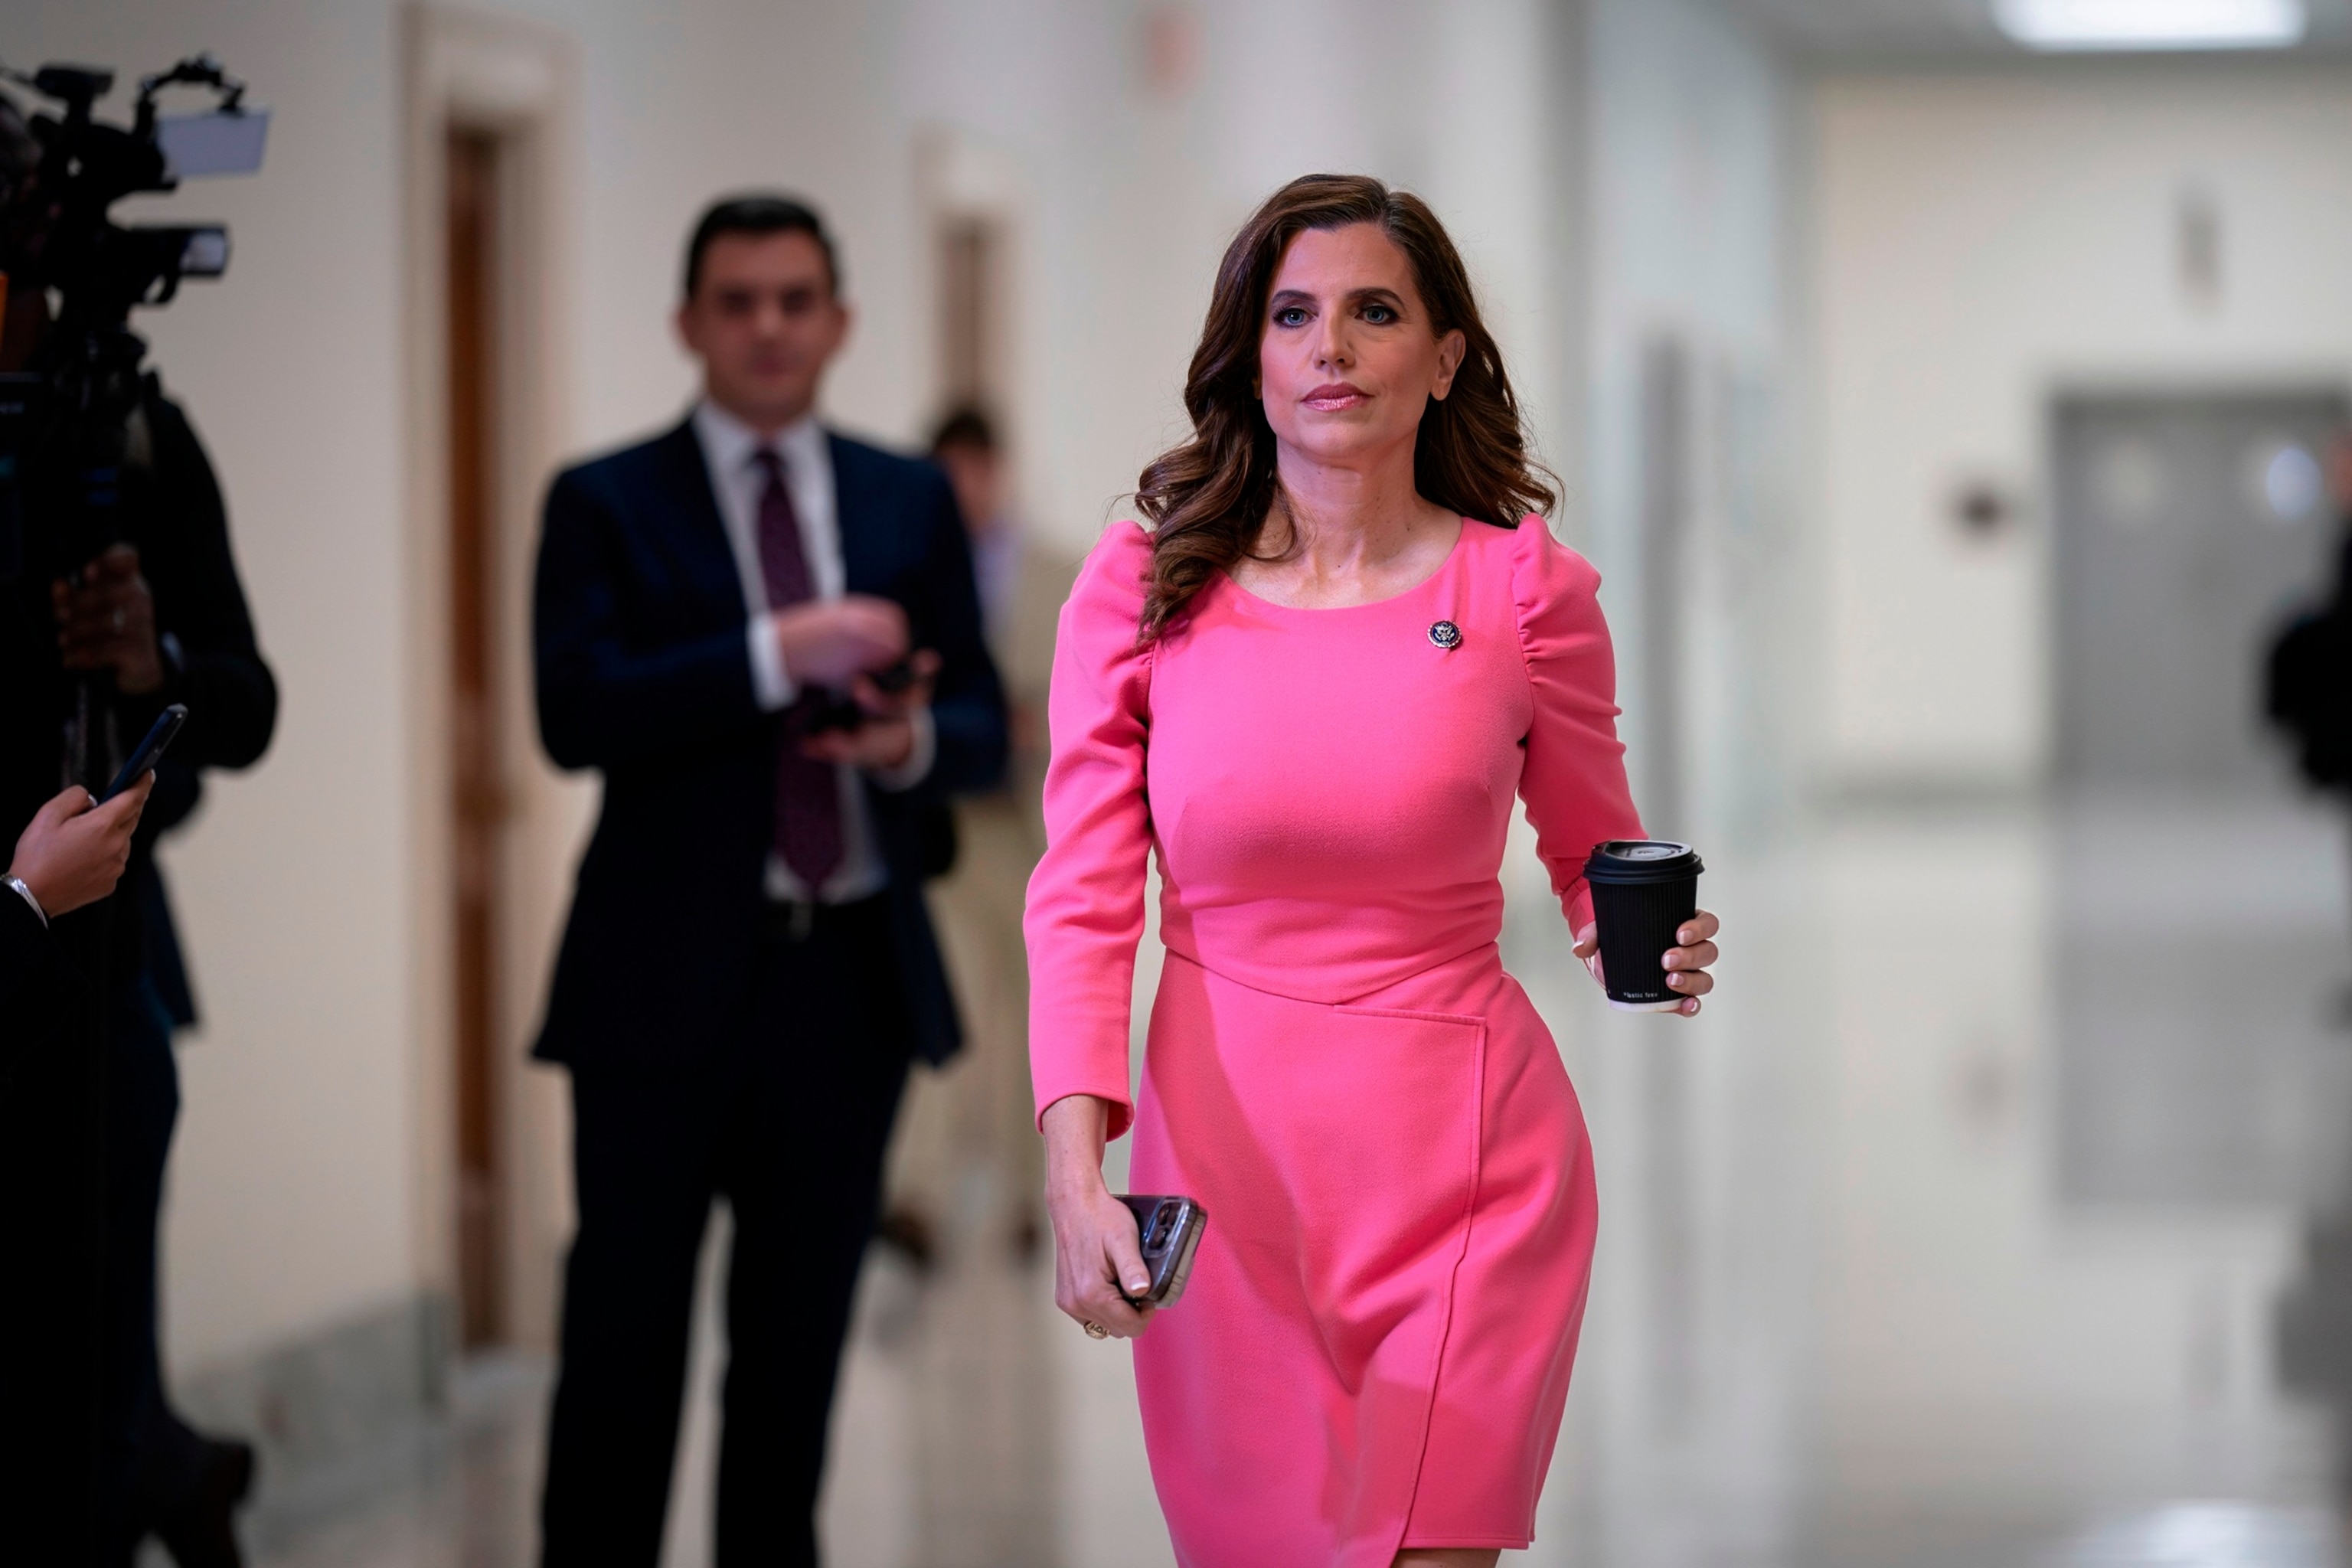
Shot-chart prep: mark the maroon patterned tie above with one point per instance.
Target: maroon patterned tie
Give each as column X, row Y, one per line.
column 808, row 792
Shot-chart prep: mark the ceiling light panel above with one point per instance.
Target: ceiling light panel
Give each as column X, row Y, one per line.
column 2084, row 25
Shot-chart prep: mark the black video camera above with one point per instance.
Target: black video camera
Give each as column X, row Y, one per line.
column 102, row 269
column 72, row 436
column 56, row 235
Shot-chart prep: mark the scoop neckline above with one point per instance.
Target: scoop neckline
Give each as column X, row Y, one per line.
column 1461, row 533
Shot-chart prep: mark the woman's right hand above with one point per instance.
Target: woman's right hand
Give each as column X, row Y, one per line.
column 1096, row 1245
column 72, row 852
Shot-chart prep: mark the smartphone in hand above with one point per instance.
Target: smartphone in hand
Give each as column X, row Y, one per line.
column 1168, row 1229
column 846, row 713
column 144, row 757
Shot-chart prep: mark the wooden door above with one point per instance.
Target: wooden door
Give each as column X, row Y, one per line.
column 475, row 795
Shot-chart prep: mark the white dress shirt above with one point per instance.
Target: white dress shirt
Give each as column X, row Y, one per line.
column 729, row 451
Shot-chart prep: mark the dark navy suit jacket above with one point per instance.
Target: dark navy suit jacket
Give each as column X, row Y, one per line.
column 638, row 627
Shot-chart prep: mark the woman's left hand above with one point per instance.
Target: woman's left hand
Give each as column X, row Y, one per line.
column 1687, row 966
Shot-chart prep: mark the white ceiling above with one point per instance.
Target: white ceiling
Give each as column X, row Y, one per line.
column 1937, row 30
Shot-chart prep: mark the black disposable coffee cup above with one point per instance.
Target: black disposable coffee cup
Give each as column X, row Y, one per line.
column 1643, row 890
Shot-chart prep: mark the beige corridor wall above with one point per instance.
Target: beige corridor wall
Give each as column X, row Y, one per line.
column 1979, row 240
column 1691, row 170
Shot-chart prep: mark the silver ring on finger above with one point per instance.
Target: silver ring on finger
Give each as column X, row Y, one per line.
column 120, row 618
column 1094, row 1331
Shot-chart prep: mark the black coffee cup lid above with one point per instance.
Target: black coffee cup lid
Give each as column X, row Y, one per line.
column 1636, row 860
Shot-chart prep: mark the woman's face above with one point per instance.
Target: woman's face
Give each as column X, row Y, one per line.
column 1347, row 357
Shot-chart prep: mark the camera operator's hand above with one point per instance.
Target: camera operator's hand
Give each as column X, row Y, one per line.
column 107, row 621
column 826, row 644
column 886, row 739
column 72, row 852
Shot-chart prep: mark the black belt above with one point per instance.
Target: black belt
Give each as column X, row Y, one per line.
column 794, row 921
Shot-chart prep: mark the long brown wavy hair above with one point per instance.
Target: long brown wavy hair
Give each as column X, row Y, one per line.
column 1209, row 499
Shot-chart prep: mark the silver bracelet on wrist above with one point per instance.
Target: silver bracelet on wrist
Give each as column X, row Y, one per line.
column 25, row 893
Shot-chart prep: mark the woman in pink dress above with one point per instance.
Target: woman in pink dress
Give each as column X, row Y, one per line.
column 1314, row 688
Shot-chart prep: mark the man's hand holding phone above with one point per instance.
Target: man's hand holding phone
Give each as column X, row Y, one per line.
column 845, row 644
column 830, row 642
column 889, row 699
column 73, row 851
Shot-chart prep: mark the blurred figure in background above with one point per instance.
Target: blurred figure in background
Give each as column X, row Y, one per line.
column 965, row 444
column 749, row 968
column 968, row 1151
column 157, row 617
column 2309, row 682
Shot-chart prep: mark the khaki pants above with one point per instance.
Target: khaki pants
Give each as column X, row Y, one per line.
column 967, row 1154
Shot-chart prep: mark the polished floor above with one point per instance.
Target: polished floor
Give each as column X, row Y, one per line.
column 2000, row 1213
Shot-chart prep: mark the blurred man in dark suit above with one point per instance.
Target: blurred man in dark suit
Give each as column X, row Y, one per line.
column 749, row 967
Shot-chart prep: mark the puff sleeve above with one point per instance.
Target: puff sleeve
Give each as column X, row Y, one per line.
column 1085, row 909
column 1574, row 778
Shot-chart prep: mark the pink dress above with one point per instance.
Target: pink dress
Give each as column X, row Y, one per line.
column 1374, row 1349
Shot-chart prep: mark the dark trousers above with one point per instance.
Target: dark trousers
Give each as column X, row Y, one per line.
column 788, row 1122
column 52, row 1296
column 152, row 1457
column 90, row 1452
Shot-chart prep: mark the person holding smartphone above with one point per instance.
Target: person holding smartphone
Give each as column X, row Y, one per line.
column 71, row 854
column 764, row 636
column 1313, row 690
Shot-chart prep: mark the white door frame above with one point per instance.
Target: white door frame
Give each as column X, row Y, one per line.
column 519, row 79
